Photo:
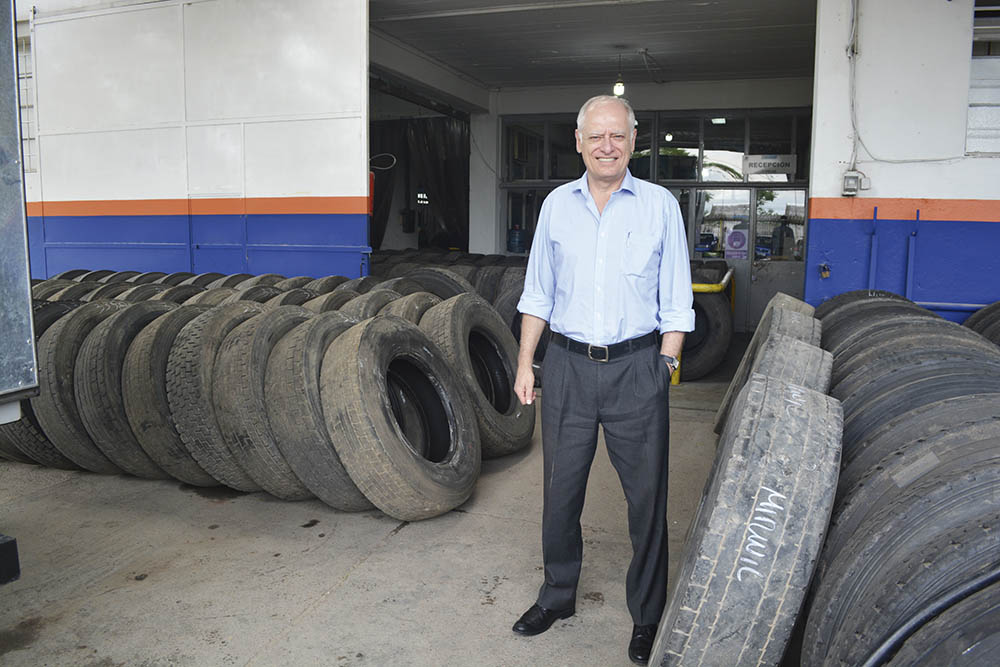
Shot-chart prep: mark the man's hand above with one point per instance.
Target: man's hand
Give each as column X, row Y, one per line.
column 524, row 384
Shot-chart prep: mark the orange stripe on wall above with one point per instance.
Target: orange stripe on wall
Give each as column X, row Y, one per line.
column 219, row 206
column 863, row 208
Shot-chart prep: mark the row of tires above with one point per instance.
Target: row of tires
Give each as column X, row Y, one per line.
column 910, row 568
column 851, row 516
column 393, row 411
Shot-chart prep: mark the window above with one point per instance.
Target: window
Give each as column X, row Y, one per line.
column 983, row 127
column 26, row 95
column 680, row 143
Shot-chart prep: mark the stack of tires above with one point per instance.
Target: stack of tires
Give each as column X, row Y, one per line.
column 705, row 347
column 910, row 571
column 362, row 393
column 986, row 322
column 754, row 541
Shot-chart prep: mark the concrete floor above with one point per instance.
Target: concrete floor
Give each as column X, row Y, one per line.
column 123, row 571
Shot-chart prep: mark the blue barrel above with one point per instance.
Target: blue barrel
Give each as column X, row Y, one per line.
column 515, row 240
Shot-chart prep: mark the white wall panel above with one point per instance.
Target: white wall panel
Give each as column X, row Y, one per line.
column 984, row 106
column 141, row 164
column 260, row 58
column 215, row 160
column 312, row 158
column 912, row 101
column 110, row 70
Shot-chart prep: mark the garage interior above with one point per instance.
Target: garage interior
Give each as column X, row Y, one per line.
column 117, row 570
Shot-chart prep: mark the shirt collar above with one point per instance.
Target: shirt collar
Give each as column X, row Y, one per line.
column 628, row 184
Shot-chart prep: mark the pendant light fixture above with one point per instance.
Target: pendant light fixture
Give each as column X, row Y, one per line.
column 619, row 87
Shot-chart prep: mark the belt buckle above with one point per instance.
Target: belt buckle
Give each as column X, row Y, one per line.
column 590, row 352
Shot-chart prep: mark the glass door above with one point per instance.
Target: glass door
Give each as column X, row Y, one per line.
column 721, row 230
column 778, row 250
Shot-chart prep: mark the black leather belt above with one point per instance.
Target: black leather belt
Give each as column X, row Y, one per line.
column 605, row 352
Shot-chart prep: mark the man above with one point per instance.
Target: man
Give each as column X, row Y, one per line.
column 608, row 271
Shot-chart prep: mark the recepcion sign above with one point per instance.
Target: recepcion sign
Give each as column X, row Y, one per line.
column 769, row 164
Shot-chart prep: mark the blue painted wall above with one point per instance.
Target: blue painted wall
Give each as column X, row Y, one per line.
column 927, row 261
column 289, row 244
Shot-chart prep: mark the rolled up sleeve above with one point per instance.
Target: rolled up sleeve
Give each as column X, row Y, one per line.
column 539, row 277
column 676, row 298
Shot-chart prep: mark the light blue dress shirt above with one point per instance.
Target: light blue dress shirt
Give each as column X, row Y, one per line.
column 602, row 278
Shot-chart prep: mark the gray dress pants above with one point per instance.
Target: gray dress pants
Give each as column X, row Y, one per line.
column 628, row 397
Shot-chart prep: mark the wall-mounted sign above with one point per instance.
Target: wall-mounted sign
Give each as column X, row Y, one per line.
column 736, row 244
column 769, row 164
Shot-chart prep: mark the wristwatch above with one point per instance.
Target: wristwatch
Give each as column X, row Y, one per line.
column 673, row 363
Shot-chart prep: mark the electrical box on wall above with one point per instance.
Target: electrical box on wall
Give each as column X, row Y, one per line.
column 853, row 182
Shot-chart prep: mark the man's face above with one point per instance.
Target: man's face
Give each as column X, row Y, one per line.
column 606, row 142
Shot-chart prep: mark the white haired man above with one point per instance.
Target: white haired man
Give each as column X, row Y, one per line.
column 609, row 272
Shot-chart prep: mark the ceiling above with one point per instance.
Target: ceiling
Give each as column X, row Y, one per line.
column 516, row 43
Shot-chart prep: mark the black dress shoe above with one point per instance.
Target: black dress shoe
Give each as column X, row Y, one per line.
column 537, row 620
column 641, row 644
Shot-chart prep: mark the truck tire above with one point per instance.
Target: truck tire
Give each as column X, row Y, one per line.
column 98, row 387
column 332, row 300
column 937, row 533
column 55, row 406
column 212, row 296
column 921, row 352
column 190, row 367
column 395, row 411
column 202, row 279
column 174, row 279
column 144, row 388
column 264, row 279
column 402, row 286
column 77, row 292
column 359, row 285
column 706, row 346
column 232, row 280
column 326, row 283
column 488, row 280
column 23, row 440
column 832, row 304
column 483, row 354
column 752, row 545
column 118, row 277
column 981, row 317
column 295, row 296
column 965, row 633
column 776, row 320
column 177, row 293
column 890, row 394
column 888, row 336
column 854, row 318
column 142, row 292
column 369, row 304
column 258, row 293
column 863, row 492
column 925, row 421
column 148, row 277
column 294, row 283
column 295, row 411
column 108, row 291
column 411, row 307
column 239, row 404
column 442, row 282
column 47, row 288
column 70, row 274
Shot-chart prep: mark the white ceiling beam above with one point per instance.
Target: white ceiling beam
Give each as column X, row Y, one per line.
column 507, row 9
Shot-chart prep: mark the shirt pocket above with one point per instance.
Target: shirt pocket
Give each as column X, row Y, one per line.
column 641, row 254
